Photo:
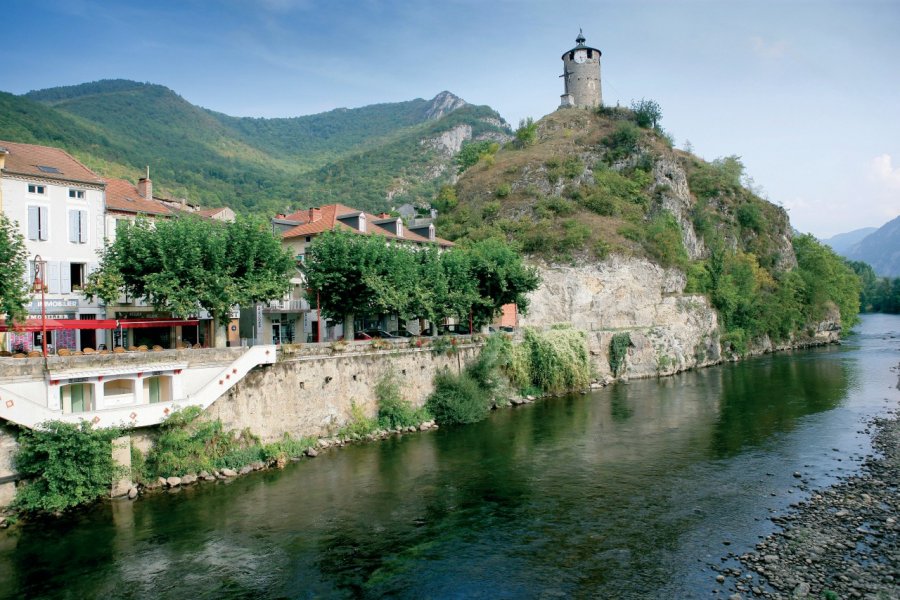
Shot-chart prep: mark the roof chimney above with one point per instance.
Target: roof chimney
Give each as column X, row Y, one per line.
column 314, row 214
column 3, row 154
column 145, row 186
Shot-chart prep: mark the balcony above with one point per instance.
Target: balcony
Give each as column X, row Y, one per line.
column 286, row 306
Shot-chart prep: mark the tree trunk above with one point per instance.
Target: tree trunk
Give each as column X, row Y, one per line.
column 220, row 333
column 348, row 326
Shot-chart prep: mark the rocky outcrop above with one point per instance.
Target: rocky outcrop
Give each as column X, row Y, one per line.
column 449, row 142
column 670, row 331
column 443, row 104
column 671, row 185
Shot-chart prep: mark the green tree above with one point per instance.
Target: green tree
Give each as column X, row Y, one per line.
column 827, row 279
column 64, row 465
column 472, row 152
column 526, row 134
column 501, row 278
column 647, row 113
column 14, row 289
column 184, row 264
column 358, row 274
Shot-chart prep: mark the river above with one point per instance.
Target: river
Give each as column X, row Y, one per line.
column 628, row 492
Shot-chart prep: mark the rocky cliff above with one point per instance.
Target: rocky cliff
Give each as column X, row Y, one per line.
column 670, row 331
column 634, row 236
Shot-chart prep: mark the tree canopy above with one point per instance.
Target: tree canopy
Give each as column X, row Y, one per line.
column 13, row 260
column 184, row 264
column 357, row 274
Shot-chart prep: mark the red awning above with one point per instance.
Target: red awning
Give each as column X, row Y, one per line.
column 62, row 324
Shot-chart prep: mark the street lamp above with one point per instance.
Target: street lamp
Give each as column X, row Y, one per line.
column 40, row 280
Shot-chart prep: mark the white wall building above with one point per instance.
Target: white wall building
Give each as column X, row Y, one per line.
column 58, row 204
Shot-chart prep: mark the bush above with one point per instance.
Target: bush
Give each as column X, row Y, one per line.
column 622, row 142
column 663, row 241
column 647, row 113
column 558, row 360
column 526, row 134
column 393, row 410
column 618, row 349
column 750, row 217
column 503, row 190
column 457, row 399
column 358, row 425
column 64, row 465
column 190, row 442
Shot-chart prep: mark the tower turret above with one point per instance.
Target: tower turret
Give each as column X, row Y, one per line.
column 581, row 76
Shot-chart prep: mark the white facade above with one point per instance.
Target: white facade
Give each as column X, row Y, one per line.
column 63, row 222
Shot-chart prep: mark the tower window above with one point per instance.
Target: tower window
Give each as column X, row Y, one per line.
column 590, row 53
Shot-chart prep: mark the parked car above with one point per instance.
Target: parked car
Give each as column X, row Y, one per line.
column 377, row 333
column 403, row 334
column 362, row 335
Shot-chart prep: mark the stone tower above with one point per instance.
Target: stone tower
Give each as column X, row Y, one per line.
column 581, row 75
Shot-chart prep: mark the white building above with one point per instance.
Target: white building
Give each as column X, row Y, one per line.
column 58, row 204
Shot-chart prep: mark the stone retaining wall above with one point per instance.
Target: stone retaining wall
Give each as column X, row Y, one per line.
column 313, row 396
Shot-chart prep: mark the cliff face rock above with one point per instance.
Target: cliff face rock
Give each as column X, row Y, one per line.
column 671, row 183
column 449, row 142
column 670, row 331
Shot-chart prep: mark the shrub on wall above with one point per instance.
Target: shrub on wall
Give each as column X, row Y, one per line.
column 393, row 409
column 618, row 348
column 457, row 399
column 64, row 465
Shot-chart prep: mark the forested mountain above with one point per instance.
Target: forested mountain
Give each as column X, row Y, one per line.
column 881, row 249
column 371, row 157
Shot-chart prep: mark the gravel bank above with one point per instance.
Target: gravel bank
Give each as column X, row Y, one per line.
column 844, row 542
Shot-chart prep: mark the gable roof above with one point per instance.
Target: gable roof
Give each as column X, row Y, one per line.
column 122, row 196
column 327, row 217
column 27, row 159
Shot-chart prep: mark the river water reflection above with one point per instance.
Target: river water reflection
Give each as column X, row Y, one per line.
column 627, row 492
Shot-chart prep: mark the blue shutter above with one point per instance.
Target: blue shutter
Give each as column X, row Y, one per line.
column 65, row 278
column 53, row 276
column 73, row 226
column 33, row 218
column 82, row 226
column 43, row 215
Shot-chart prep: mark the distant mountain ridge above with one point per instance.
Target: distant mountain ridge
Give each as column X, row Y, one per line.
column 372, row 157
column 881, row 249
column 842, row 242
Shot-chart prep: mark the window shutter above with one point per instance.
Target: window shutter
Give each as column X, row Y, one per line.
column 44, row 223
column 82, row 226
column 29, row 274
column 33, row 217
column 65, row 278
column 53, row 276
column 73, row 226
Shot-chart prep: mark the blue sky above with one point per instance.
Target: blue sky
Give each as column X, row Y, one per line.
column 806, row 92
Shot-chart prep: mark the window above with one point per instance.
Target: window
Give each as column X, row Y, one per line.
column 301, row 258
column 35, row 189
column 38, row 222
column 76, row 272
column 308, row 239
column 78, row 225
column 78, row 194
column 77, row 397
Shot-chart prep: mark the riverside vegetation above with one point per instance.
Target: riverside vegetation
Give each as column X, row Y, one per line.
column 66, row 465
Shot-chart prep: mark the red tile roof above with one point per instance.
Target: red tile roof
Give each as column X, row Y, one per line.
column 24, row 159
column 122, row 196
column 326, row 217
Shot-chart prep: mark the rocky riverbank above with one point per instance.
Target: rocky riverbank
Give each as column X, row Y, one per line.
column 844, row 542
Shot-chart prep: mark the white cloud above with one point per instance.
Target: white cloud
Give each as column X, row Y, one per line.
column 768, row 49
column 885, row 173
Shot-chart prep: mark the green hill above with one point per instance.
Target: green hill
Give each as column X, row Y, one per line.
column 356, row 156
column 580, row 185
